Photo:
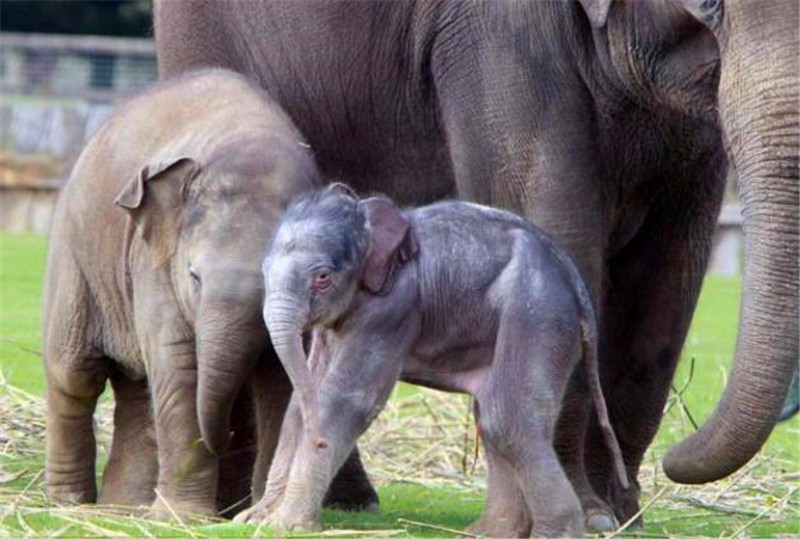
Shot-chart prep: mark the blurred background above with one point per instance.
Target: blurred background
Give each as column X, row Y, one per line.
column 64, row 64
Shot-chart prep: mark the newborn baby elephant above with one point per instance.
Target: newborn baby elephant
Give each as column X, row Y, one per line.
column 153, row 283
column 453, row 296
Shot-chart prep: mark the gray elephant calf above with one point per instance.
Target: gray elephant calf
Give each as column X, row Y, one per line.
column 453, row 296
column 153, row 283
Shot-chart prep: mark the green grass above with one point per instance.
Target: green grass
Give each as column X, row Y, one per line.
column 766, row 495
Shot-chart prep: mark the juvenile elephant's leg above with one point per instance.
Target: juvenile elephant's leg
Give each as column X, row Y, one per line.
column 187, row 475
column 569, row 443
column 74, row 384
column 132, row 470
column 520, row 404
column 655, row 282
column 76, row 376
column 505, row 513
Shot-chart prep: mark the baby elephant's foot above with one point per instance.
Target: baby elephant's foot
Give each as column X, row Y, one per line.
column 294, row 521
column 500, row 527
column 277, row 518
column 167, row 510
column 600, row 521
column 257, row 514
column 599, row 517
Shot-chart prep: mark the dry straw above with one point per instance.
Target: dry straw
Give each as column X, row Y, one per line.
column 426, row 438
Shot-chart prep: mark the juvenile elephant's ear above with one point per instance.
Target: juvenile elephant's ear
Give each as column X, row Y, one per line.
column 597, row 11
column 391, row 242
column 155, row 199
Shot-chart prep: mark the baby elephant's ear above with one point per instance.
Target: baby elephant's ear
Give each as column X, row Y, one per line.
column 343, row 188
column 391, row 242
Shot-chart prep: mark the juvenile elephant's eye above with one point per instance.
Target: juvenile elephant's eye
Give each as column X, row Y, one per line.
column 322, row 281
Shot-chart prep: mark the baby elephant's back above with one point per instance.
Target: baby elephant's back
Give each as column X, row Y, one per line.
column 485, row 252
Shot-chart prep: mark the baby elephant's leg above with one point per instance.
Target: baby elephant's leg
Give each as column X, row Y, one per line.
column 280, row 467
column 505, row 513
column 520, row 404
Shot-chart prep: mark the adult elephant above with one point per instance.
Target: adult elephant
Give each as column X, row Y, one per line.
column 610, row 124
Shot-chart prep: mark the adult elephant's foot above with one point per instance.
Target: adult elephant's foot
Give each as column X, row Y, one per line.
column 358, row 497
column 626, row 502
column 351, row 489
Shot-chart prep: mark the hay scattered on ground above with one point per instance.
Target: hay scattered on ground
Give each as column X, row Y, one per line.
column 427, row 438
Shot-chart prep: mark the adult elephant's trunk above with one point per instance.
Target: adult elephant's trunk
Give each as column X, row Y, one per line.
column 758, row 100
column 286, row 317
column 230, row 338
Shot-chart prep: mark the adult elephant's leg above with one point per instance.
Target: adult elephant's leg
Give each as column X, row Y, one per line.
column 351, row 489
column 654, row 283
column 132, row 470
column 187, row 475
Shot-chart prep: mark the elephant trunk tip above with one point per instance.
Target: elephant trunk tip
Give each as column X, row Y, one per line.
column 216, row 443
column 684, row 465
column 214, row 431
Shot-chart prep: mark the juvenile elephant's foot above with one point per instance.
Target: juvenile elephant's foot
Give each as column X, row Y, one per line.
column 72, row 494
column 625, row 502
column 169, row 510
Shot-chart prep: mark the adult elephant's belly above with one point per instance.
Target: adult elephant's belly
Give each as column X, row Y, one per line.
column 412, row 166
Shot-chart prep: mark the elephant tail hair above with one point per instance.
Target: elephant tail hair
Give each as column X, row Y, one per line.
column 589, row 332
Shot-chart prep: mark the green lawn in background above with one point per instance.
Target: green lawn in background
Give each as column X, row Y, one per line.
column 710, row 342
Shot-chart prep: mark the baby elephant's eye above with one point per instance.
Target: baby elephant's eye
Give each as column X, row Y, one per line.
column 194, row 274
column 322, row 281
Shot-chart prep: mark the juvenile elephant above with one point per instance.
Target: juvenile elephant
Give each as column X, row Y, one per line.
column 153, row 283
column 454, row 296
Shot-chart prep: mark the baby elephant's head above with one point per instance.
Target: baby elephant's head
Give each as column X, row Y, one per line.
column 328, row 246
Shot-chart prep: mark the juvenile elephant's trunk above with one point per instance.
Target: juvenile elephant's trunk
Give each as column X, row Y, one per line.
column 230, row 337
column 285, row 318
column 758, row 100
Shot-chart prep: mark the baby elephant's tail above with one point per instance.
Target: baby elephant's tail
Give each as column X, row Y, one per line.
column 593, row 378
column 589, row 331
